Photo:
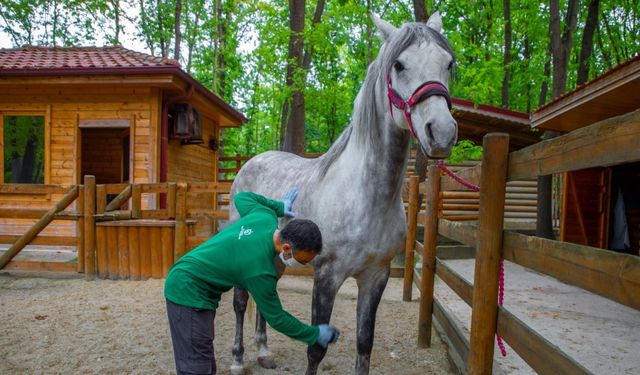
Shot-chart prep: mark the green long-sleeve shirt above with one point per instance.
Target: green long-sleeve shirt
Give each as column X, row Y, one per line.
column 241, row 255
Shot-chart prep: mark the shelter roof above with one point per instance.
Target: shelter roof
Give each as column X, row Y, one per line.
column 612, row 93
column 36, row 61
column 474, row 121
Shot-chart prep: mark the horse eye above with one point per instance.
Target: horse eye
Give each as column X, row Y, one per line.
column 399, row 67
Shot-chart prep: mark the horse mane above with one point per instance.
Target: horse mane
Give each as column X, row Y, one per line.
column 365, row 110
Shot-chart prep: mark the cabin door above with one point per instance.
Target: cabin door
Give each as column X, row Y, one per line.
column 585, row 207
column 105, row 154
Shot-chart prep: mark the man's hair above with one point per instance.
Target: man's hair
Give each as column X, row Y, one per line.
column 302, row 234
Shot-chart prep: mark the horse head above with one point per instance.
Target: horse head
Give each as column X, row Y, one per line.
column 416, row 62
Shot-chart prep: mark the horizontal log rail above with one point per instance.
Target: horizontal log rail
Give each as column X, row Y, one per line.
column 609, row 142
column 33, row 189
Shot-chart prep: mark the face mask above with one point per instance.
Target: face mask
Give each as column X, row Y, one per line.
column 291, row 262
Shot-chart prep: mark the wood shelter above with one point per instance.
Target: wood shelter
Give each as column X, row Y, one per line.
column 600, row 206
column 122, row 116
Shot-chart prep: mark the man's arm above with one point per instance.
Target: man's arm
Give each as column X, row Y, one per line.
column 263, row 291
column 247, row 201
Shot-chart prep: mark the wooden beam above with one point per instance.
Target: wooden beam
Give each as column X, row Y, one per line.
column 493, row 186
column 457, row 283
column 89, row 227
column 543, row 356
column 461, row 232
column 32, row 189
column 410, row 239
column 429, row 258
column 471, row 174
column 24, row 240
column 42, row 240
column 15, row 213
column 609, row 142
column 609, row 274
column 453, row 336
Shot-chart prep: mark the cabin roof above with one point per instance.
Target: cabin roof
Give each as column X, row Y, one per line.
column 83, row 61
column 610, row 94
column 475, row 121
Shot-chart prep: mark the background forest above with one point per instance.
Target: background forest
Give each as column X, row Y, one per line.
column 294, row 67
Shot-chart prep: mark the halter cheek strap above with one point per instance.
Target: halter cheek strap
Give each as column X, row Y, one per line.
column 427, row 89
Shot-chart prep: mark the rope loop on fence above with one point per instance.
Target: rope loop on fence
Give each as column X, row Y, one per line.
column 475, row 187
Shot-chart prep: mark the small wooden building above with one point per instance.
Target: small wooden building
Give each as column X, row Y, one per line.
column 601, row 206
column 116, row 114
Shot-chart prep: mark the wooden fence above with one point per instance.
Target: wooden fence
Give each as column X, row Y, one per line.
column 127, row 237
column 611, row 275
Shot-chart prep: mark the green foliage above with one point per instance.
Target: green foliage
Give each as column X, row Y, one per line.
column 465, row 150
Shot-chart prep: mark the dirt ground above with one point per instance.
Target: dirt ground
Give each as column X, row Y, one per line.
column 71, row 326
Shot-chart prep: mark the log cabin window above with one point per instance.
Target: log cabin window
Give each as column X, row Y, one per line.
column 23, row 139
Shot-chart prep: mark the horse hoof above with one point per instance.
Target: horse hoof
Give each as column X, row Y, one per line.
column 267, row 362
column 237, row 370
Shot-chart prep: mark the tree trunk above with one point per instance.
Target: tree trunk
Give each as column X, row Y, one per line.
column 293, row 111
column 164, row 51
column 507, row 53
column 420, row 11
column 587, row 41
column 178, row 33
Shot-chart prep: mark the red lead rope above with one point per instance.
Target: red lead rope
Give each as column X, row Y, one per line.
column 474, row 187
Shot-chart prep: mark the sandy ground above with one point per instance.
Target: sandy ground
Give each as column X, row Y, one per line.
column 53, row 326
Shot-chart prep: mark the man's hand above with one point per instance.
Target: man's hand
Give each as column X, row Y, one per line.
column 288, row 199
column 328, row 335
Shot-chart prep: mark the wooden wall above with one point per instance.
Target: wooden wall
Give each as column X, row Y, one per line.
column 64, row 108
column 102, row 154
column 194, row 163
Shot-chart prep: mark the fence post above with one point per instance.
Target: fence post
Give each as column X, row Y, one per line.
column 429, row 257
column 136, row 201
column 80, row 229
column 411, row 238
column 180, row 243
column 89, row 227
column 488, row 253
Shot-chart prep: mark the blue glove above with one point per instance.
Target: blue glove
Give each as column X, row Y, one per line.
column 288, row 199
column 328, row 335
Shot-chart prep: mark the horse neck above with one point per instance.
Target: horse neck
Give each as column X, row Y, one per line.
column 378, row 147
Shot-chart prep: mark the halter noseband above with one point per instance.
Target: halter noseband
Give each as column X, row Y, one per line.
column 427, row 89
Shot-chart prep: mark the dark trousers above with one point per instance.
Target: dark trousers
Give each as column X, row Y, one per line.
column 192, row 337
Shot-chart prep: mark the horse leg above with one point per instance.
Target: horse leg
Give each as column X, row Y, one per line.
column 370, row 288
column 264, row 355
column 325, row 289
column 240, row 299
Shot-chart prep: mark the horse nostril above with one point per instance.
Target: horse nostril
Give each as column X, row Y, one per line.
column 428, row 130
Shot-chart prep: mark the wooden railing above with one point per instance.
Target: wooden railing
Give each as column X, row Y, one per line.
column 611, row 275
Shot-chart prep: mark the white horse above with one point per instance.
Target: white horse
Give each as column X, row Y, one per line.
column 354, row 191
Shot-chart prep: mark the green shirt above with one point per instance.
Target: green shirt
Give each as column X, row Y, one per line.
column 240, row 256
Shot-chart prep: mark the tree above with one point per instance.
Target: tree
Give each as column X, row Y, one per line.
column 506, row 62
column 177, row 32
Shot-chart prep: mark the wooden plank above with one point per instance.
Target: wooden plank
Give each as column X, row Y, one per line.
column 543, row 356
column 42, row 240
column 31, row 213
column 80, row 229
column 471, row 175
column 167, row 250
column 455, row 281
column 160, row 187
column 410, row 240
column 134, row 253
column 123, row 253
column 461, row 232
column 161, row 214
column 609, row 142
column 102, row 249
column 33, row 189
column 488, row 253
column 137, row 223
column 136, row 201
column 155, row 235
column 204, row 187
column 179, row 246
column 26, row 238
column 145, row 252
column 609, row 274
column 448, row 252
column 429, row 258
column 112, row 252
column 453, row 336
column 171, row 200
column 101, row 198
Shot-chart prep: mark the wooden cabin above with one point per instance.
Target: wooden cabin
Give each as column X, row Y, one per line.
column 600, row 206
column 122, row 116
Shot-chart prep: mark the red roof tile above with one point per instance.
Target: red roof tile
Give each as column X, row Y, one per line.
column 38, row 58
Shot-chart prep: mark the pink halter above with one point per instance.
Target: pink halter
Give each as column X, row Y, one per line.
column 424, row 91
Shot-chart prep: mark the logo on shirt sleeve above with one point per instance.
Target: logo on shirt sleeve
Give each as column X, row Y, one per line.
column 244, row 232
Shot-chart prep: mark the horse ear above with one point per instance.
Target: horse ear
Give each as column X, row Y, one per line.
column 435, row 22
column 385, row 29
